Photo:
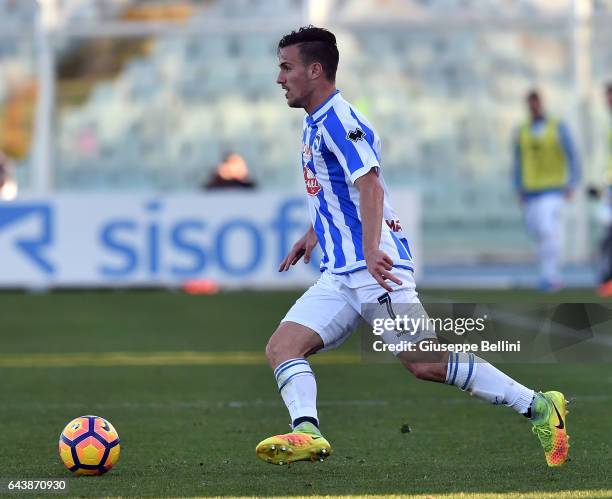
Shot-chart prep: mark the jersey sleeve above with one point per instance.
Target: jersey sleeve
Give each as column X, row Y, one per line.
column 571, row 154
column 517, row 177
column 352, row 142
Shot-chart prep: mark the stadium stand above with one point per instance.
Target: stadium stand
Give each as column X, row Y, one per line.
column 445, row 101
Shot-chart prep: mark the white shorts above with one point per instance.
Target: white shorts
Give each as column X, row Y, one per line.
column 544, row 215
column 336, row 304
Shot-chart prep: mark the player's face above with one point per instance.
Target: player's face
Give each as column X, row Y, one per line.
column 535, row 106
column 293, row 76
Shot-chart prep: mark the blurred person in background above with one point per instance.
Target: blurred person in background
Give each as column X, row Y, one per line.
column 232, row 172
column 546, row 171
column 605, row 213
column 8, row 185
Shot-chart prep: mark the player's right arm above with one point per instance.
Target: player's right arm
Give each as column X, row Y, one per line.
column 516, row 167
column 573, row 159
column 302, row 248
column 371, row 198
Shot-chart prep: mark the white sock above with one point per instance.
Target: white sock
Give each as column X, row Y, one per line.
column 298, row 387
column 469, row 372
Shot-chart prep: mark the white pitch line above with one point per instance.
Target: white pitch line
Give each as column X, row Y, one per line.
column 115, row 359
column 253, row 404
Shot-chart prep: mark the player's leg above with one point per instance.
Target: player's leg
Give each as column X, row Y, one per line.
column 466, row 371
column 470, row 373
column 535, row 222
column 320, row 320
column 551, row 240
column 287, row 352
column 538, row 222
column 531, row 217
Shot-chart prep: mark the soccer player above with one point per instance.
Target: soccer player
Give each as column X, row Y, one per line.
column 366, row 260
column 546, row 170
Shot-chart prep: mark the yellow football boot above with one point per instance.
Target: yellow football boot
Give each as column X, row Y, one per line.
column 304, row 443
column 550, row 426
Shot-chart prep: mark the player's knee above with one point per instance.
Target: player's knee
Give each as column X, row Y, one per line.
column 426, row 371
column 274, row 352
column 291, row 341
column 280, row 348
column 417, row 369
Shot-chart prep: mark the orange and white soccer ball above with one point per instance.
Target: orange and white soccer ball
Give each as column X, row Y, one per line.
column 89, row 445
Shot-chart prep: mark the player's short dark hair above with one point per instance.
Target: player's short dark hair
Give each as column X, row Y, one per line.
column 315, row 45
column 533, row 94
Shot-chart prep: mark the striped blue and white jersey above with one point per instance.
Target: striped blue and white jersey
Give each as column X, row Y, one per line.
column 339, row 145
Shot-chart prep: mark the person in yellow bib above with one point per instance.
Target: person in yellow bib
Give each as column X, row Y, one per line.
column 546, row 171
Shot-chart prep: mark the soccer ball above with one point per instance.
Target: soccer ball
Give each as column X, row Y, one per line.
column 89, row 445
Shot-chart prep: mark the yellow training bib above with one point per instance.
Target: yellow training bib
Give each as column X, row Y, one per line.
column 543, row 161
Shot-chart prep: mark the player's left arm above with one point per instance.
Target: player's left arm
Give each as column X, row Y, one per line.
column 371, row 198
column 571, row 154
column 516, row 167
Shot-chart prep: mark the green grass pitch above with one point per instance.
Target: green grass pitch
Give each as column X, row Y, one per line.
column 189, row 428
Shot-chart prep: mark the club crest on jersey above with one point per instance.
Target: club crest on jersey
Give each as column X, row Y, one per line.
column 312, row 184
column 306, row 153
column 316, row 145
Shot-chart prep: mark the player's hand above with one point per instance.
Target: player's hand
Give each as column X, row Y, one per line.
column 380, row 266
column 302, row 248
